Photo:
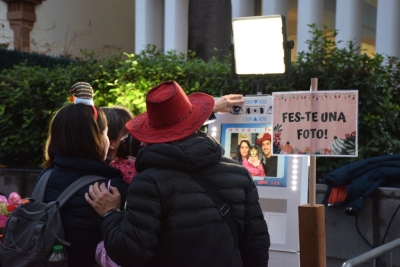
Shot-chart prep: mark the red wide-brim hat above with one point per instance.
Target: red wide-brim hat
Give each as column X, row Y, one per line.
column 266, row 136
column 171, row 114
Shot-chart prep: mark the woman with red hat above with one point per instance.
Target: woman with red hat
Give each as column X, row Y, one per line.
column 169, row 218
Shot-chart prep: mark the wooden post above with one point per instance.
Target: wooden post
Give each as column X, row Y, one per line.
column 312, row 192
column 312, row 236
column 312, row 220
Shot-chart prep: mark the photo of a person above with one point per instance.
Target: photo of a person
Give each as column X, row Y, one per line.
column 269, row 162
column 253, row 163
column 243, row 151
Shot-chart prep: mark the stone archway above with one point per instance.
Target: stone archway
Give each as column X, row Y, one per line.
column 21, row 16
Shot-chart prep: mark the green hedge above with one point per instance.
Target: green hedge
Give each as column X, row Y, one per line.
column 30, row 94
column 10, row 58
column 138, row 73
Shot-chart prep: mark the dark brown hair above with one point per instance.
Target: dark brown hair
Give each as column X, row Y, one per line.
column 239, row 157
column 129, row 146
column 116, row 118
column 74, row 132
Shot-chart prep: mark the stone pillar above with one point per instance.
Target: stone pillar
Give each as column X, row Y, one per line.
column 308, row 12
column 242, row 8
column 348, row 22
column 21, row 16
column 275, row 7
column 149, row 20
column 176, row 25
column 388, row 28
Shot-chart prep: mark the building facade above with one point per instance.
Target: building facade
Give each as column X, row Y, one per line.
column 64, row 27
column 59, row 27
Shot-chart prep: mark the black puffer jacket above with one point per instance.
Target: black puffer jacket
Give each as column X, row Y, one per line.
column 170, row 221
column 80, row 222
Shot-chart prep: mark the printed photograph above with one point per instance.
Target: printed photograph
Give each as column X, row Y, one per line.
column 250, row 145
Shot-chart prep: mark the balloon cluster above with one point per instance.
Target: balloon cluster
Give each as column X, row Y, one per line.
column 7, row 206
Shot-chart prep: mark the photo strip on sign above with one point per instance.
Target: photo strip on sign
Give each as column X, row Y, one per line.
column 245, row 133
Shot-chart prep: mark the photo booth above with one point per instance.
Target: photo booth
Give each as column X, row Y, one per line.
column 281, row 193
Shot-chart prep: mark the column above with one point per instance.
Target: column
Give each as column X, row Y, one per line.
column 273, row 7
column 388, row 28
column 149, row 20
column 308, row 12
column 276, row 7
column 176, row 25
column 21, row 16
column 242, row 8
column 348, row 22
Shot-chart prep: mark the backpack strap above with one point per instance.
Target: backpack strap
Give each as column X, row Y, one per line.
column 222, row 206
column 40, row 187
column 75, row 186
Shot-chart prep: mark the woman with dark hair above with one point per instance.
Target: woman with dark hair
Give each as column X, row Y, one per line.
column 76, row 146
column 243, row 151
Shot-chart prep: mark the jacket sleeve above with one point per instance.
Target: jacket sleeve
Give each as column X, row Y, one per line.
column 256, row 241
column 131, row 237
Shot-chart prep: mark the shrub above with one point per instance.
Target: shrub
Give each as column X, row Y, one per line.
column 29, row 96
column 139, row 73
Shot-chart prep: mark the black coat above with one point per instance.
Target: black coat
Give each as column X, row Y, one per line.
column 170, row 221
column 358, row 180
column 80, row 222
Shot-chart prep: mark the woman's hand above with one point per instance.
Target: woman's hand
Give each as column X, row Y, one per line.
column 101, row 199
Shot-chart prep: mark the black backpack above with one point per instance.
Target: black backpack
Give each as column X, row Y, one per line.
column 35, row 227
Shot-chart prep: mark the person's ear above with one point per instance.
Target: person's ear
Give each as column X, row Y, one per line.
column 113, row 144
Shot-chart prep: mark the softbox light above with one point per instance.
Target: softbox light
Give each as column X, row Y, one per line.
column 260, row 45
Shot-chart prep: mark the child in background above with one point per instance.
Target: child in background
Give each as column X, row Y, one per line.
column 123, row 148
column 116, row 116
column 121, row 155
column 124, row 161
column 253, row 163
column 126, row 164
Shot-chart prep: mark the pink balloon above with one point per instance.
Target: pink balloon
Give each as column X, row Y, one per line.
column 14, row 199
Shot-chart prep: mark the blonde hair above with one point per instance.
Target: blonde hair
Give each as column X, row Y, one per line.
column 254, row 152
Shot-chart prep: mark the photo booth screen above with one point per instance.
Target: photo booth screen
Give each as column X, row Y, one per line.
column 245, row 133
column 265, row 171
